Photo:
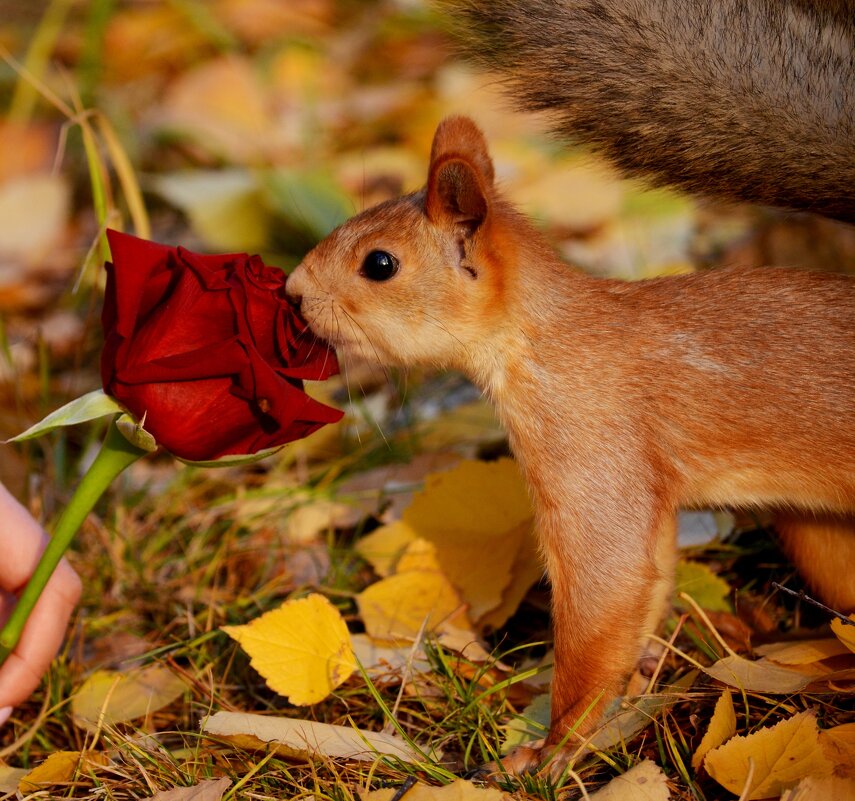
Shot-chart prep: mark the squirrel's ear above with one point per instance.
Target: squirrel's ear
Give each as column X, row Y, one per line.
column 460, row 175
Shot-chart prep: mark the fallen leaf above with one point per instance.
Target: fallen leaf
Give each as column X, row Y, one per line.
column 221, row 106
column 60, row 767
column 761, row 676
column 643, row 782
column 477, row 515
column 29, row 237
column 721, row 728
column 225, row 207
column 845, row 632
column 302, row 649
column 377, row 659
column 780, row 756
column 303, row 739
column 10, row 778
column 707, row 589
column 109, row 697
column 459, row 790
column 838, row 744
column 383, row 547
column 208, row 790
column 531, row 724
column 396, row 607
column 802, row 653
column 826, row 788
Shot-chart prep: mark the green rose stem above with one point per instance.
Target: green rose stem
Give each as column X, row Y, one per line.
column 115, row 455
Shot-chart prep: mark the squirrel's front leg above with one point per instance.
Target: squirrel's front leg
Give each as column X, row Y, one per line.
column 607, row 589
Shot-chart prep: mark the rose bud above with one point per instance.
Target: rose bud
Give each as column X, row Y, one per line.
column 208, row 351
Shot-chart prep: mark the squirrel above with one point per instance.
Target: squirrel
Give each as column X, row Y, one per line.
column 750, row 101
column 624, row 401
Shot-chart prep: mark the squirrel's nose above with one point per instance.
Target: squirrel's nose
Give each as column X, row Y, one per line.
column 293, row 290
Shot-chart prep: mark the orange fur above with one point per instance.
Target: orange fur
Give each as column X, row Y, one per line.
column 622, row 401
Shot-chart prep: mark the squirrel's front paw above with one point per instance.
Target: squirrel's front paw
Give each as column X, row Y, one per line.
column 533, row 758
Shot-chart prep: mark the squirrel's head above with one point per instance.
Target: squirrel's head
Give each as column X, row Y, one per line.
column 420, row 279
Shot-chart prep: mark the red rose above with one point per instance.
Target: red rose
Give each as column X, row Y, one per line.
column 208, row 349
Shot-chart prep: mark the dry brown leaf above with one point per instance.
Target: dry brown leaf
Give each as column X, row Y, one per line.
column 775, row 758
column 302, row 649
column 761, row 676
column 59, row 767
column 108, row 697
column 377, row 659
column 222, row 106
column 460, row 790
column 838, row 744
column 305, row 738
column 10, row 778
column 827, row 788
column 260, row 21
column 643, row 782
column 209, row 790
column 27, row 237
column 802, row 653
column 721, row 728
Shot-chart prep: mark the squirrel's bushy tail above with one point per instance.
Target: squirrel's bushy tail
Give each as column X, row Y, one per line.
column 744, row 100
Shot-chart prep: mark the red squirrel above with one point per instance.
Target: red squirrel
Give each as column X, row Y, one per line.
column 626, row 401
column 622, row 401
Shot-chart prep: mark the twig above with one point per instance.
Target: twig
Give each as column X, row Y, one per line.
column 801, row 595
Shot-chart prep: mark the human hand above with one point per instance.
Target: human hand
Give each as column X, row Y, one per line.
column 21, row 544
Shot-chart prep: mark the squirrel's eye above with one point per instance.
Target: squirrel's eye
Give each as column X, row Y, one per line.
column 379, row 266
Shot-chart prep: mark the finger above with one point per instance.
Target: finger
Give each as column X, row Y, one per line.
column 41, row 638
column 22, row 541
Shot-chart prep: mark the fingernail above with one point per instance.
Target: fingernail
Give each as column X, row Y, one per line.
column 5, row 714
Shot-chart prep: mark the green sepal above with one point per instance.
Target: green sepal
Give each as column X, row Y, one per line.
column 233, row 460
column 133, row 432
column 90, row 406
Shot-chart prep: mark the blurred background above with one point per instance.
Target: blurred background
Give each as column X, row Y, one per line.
column 259, row 125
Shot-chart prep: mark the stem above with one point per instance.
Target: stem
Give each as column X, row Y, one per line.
column 115, row 455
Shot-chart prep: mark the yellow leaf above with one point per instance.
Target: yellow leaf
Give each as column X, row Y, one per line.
column 722, row 727
column 761, row 676
column 418, row 555
column 838, row 744
column 60, row 767
column 460, row 790
column 845, row 633
column 644, row 782
column 395, row 608
column 306, row 738
column 474, row 514
column 776, row 758
column 705, row 587
column 828, row 788
column 302, row 649
column 383, row 547
column 112, row 697
column 802, row 653
column 526, row 571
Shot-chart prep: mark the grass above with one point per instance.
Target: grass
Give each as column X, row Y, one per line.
column 175, row 553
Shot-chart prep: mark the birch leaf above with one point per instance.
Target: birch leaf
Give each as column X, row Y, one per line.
column 721, row 728
column 305, row 738
column 302, row 649
column 780, row 755
column 826, row 788
column 643, row 782
column 121, row 697
column 460, row 790
column 845, row 633
column 761, row 676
